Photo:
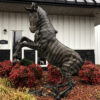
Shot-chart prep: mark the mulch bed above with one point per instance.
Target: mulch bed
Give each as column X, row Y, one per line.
column 81, row 91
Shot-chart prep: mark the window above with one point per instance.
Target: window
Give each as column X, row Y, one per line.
column 29, row 54
column 97, row 1
column 89, row 1
column 80, row 0
column 71, row 0
column 16, row 38
column 35, row 57
column 4, row 54
column 41, row 60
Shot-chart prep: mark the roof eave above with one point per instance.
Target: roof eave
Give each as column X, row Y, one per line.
column 68, row 4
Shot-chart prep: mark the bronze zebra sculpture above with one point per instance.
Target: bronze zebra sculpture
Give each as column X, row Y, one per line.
column 67, row 60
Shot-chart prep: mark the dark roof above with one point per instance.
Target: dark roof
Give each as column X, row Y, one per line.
column 83, row 3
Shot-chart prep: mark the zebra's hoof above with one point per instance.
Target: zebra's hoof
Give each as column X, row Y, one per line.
column 57, row 98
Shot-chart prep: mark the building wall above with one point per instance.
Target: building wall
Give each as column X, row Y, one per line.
column 11, row 22
column 97, row 44
column 76, row 32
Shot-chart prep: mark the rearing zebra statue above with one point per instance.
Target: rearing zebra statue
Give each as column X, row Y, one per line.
column 67, row 60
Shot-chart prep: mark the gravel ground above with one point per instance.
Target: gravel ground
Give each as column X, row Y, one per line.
column 81, row 91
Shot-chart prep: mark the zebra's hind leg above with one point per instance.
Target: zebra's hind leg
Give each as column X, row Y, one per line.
column 69, row 83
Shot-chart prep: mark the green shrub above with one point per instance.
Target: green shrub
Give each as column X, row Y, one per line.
column 25, row 62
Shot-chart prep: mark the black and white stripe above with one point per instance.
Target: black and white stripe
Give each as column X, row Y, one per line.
column 52, row 49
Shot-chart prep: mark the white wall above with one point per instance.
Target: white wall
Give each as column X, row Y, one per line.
column 11, row 22
column 76, row 32
column 97, row 44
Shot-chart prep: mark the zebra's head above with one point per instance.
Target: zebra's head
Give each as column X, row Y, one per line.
column 33, row 17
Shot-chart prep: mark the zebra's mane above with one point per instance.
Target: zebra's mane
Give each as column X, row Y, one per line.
column 44, row 25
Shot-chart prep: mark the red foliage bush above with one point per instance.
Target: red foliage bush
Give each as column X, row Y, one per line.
column 54, row 75
column 5, row 68
column 37, row 69
column 90, row 73
column 22, row 76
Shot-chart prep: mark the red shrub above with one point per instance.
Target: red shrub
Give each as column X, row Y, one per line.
column 25, row 75
column 5, row 68
column 54, row 75
column 90, row 73
column 37, row 69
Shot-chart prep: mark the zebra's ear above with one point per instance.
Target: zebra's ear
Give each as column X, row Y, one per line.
column 35, row 6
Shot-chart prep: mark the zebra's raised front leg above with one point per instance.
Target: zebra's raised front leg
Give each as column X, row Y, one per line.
column 31, row 45
column 23, row 39
column 18, row 47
